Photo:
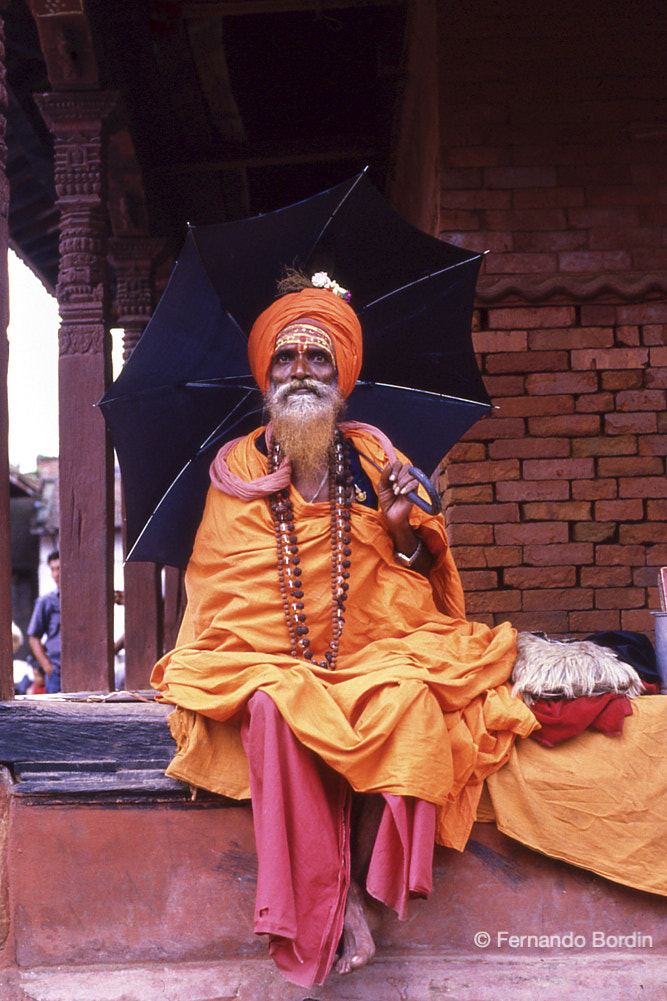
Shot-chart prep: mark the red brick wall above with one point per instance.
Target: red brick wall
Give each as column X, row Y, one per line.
column 553, row 154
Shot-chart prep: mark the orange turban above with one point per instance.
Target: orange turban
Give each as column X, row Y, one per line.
column 323, row 307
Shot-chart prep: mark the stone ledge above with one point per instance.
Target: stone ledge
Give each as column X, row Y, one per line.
column 411, row 976
column 88, row 746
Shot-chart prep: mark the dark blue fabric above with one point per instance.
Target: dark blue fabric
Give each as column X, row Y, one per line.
column 632, row 648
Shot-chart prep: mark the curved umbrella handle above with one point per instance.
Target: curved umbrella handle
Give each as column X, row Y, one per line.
column 435, row 505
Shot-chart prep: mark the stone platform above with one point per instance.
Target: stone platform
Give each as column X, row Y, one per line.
column 117, row 887
column 408, row 977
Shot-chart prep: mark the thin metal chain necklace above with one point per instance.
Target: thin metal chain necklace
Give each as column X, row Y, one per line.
column 290, row 578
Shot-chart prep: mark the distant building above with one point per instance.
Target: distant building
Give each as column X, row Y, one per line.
column 24, row 494
column 35, row 518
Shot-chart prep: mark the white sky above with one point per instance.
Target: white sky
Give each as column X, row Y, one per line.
column 32, row 384
column 33, row 368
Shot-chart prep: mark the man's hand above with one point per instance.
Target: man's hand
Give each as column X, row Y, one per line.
column 394, row 485
column 40, row 655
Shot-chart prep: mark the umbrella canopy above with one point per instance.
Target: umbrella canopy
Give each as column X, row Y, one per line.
column 187, row 386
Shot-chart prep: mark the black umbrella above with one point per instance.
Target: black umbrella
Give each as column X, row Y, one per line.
column 187, row 386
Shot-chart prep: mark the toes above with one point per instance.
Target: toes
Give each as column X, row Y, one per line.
column 346, row 964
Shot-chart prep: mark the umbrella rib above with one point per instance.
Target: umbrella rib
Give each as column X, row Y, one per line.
column 211, row 438
column 424, row 392
column 196, row 384
column 224, row 424
column 345, row 197
column 224, row 429
column 235, row 325
column 219, row 381
column 424, row 278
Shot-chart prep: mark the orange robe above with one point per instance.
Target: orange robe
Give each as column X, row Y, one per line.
column 419, row 703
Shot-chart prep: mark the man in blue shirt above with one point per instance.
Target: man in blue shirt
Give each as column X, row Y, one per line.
column 44, row 629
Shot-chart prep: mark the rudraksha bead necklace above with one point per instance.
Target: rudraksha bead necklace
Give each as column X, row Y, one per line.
column 290, row 579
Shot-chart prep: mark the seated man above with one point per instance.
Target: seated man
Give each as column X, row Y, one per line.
column 325, row 663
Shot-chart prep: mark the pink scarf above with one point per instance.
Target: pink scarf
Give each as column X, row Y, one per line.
column 229, row 483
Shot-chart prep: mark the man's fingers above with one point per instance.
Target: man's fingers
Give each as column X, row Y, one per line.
column 404, row 482
column 408, row 487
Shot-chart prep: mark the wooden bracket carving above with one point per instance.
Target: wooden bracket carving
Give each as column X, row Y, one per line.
column 79, row 122
column 133, row 259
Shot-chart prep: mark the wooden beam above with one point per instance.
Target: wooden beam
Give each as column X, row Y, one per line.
column 414, row 181
column 70, row 750
column 130, row 734
column 235, row 157
column 237, row 8
column 174, row 605
column 73, row 751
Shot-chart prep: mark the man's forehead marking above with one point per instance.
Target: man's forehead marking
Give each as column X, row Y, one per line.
column 303, row 336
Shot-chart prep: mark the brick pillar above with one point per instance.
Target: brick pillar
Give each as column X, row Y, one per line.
column 6, row 650
column 77, row 121
column 132, row 259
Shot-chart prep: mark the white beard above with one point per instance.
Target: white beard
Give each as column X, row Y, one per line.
column 304, row 423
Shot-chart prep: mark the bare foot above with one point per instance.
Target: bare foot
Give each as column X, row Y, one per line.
column 358, row 944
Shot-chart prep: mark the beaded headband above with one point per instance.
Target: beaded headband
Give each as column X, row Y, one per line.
column 303, row 336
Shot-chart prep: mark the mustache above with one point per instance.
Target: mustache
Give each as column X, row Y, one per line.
column 319, row 389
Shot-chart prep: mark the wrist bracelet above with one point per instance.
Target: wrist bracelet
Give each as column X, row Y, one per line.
column 407, row 561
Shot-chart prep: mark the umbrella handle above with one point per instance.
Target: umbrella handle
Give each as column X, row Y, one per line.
column 434, row 504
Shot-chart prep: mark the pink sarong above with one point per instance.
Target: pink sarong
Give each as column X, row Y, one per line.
column 301, row 814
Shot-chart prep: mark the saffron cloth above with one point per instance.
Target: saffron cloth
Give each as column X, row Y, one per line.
column 419, row 705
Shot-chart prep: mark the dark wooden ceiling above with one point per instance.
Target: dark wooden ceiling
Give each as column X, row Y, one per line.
column 33, row 218
column 229, row 109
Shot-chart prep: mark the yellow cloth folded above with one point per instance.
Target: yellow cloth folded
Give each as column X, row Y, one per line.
column 595, row 801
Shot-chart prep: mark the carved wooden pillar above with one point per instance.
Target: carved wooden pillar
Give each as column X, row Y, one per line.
column 174, row 605
column 6, row 650
column 132, row 258
column 77, row 120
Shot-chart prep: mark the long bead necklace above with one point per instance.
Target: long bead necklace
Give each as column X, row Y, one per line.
column 290, row 578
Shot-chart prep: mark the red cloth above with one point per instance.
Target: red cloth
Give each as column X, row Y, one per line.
column 565, row 718
column 401, row 865
column 301, row 814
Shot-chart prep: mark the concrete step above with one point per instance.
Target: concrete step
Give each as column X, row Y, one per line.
column 399, row 977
